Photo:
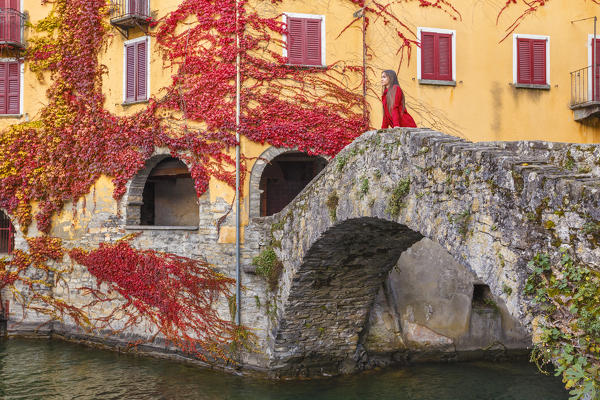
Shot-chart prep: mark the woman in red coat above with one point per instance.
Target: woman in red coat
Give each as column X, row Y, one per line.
column 394, row 109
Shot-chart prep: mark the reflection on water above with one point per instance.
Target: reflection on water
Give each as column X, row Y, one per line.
column 40, row 369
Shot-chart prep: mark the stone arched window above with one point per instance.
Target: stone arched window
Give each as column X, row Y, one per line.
column 163, row 194
column 278, row 177
column 7, row 234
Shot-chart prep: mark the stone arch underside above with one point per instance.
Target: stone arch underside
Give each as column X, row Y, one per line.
column 485, row 204
column 334, row 289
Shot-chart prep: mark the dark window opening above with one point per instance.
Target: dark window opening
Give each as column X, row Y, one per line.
column 7, row 237
column 284, row 178
column 169, row 197
column 482, row 296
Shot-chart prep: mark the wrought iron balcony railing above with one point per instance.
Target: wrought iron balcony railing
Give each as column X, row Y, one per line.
column 126, row 14
column 582, row 87
column 123, row 10
column 12, row 28
column 585, row 92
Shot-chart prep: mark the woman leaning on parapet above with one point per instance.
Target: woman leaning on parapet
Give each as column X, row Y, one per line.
column 394, row 108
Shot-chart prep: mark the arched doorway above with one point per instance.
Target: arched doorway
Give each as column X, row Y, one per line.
column 284, row 178
column 7, row 236
column 169, row 197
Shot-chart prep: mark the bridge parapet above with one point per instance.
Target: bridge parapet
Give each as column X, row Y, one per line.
column 492, row 206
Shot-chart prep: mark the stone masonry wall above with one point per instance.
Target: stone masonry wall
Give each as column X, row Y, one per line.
column 491, row 206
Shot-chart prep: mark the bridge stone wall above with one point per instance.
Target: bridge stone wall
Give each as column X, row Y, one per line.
column 491, row 206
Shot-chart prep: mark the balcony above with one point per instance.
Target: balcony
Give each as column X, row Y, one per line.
column 12, row 28
column 127, row 14
column 585, row 93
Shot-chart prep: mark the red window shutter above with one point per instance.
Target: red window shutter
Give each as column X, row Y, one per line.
column 13, row 102
column 444, row 57
column 538, row 51
column 142, row 70
column 428, row 55
column 14, row 28
column 130, row 73
column 313, row 42
column 524, row 61
column 3, row 86
column 14, row 4
column 295, row 42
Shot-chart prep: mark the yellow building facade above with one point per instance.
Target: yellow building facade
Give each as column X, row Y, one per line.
column 483, row 100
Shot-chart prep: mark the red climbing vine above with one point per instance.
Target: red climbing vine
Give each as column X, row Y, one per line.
column 176, row 294
column 58, row 157
column 528, row 7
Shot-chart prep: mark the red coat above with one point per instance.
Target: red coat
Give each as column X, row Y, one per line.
column 398, row 117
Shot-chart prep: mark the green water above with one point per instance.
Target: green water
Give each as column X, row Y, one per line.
column 41, row 369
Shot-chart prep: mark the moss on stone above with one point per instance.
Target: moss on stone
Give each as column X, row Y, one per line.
column 396, row 200
column 518, row 181
column 461, row 221
column 364, row 187
column 332, row 203
column 341, row 162
column 549, row 224
column 268, row 266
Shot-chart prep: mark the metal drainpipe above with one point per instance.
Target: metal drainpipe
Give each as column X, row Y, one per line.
column 238, row 303
column 594, row 51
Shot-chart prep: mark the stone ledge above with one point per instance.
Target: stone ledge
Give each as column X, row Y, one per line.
column 160, row 228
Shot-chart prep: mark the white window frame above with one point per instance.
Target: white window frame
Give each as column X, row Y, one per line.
column 421, row 29
column 591, row 62
column 310, row 16
column 125, row 44
column 21, row 86
column 516, row 55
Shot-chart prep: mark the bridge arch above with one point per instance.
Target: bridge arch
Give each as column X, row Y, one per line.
column 482, row 203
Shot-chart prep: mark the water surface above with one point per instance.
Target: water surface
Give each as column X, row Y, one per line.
column 46, row 369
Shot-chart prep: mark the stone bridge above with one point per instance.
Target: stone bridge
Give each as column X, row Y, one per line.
column 492, row 206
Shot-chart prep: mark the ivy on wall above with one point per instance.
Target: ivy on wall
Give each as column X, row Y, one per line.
column 58, row 157
column 568, row 295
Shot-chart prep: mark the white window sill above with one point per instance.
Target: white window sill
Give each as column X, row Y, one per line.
column 130, row 103
column 11, row 115
column 530, row 86
column 161, row 228
column 436, row 82
column 306, row 66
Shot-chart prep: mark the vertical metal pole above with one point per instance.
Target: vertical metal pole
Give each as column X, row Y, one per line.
column 238, row 302
column 594, row 62
column 364, row 34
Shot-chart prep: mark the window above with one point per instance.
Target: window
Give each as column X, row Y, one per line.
column 593, row 73
column 10, row 87
column 137, row 71
column 139, row 7
column 531, row 66
column 436, row 58
column 7, row 239
column 305, row 39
